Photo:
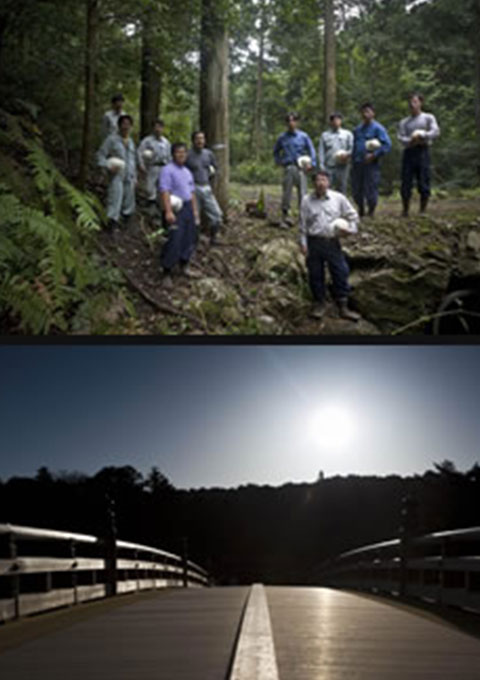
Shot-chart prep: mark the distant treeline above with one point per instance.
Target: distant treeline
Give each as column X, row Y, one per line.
column 272, row 534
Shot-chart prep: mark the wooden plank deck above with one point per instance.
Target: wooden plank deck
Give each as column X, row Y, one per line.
column 323, row 634
column 187, row 635
column 304, row 633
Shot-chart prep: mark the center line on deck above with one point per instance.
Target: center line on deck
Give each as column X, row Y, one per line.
column 255, row 653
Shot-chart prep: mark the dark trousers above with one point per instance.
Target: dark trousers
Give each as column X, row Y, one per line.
column 365, row 182
column 323, row 251
column 182, row 238
column 415, row 166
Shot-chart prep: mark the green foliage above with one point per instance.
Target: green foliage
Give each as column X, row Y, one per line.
column 50, row 183
column 251, row 172
column 50, row 276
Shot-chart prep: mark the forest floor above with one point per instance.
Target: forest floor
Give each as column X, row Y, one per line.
column 255, row 282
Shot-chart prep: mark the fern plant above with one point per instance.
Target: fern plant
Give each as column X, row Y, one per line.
column 51, row 184
column 49, row 270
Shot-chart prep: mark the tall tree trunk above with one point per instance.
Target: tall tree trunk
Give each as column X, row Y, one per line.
column 151, row 79
column 3, row 30
column 330, row 76
column 92, row 7
column 257, row 138
column 476, row 54
column 214, row 62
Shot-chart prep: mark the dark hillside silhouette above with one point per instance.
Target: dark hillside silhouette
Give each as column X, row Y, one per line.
column 273, row 534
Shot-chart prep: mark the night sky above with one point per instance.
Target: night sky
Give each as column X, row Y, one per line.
column 229, row 415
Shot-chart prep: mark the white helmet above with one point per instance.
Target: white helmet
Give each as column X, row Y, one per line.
column 341, row 155
column 373, row 144
column 148, row 154
column 176, row 203
column 340, row 224
column 115, row 163
column 419, row 134
column 304, row 162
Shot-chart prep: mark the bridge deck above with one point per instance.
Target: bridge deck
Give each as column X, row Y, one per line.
column 316, row 634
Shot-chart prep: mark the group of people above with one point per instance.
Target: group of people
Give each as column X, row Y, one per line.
column 326, row 214
column 177, row 179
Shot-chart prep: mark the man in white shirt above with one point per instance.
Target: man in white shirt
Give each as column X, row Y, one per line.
column 416, row 133
column 335, row 152
column 320, row 228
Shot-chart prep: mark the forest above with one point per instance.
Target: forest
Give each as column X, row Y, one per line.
column 250, row 533
column 232, row 68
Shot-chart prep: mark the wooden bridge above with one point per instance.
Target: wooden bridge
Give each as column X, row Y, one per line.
column 210, row 633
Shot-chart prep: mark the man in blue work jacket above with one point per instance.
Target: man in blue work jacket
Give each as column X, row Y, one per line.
column 370, row 143
column 288, row 149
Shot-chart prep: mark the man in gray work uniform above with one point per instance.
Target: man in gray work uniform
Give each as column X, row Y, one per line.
column 202, row 164
column 119, row 146
column 335, row 152
column 416, row 134
column 154, row 152
column 110, row 118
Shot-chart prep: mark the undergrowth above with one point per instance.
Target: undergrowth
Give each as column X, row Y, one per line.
column 52, row 279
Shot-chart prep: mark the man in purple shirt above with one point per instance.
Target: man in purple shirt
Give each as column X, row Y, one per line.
column 177, row 190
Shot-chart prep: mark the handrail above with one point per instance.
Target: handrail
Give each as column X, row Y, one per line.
column 460, row 534
column 33, row 582
column 145, row 548
column 432, row 567
column 42, row 534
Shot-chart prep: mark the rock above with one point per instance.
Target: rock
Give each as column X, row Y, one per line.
column 214, row 299
column 285, row 304
column 281, row 260
column 468, row 260
column 393, row 297
column 267, row 324
column 401, row 272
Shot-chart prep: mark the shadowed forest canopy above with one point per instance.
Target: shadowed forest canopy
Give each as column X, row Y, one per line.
column 272, row 534
column 150, row 51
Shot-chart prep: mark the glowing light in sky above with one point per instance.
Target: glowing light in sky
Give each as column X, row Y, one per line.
column 332, row 426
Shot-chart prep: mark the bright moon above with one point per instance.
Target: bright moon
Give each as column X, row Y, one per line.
column 332, row 426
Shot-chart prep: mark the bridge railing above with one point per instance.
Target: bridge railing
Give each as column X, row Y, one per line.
column 442, row 568
column 42, row 569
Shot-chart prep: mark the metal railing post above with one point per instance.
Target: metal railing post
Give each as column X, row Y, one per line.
column 110, row 557
column 185, row 561
column 15, row 577
column 73, row 554
column 111, row 549
column 443, row 554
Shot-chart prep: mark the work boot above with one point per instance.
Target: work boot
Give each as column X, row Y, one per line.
column 423, row 204
column 112, row 225
column 371, row 211
column 214, row 240
column 186, row 271
column 345, row 312
column 406, row 207
column 318, row 311
column 127, row 220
